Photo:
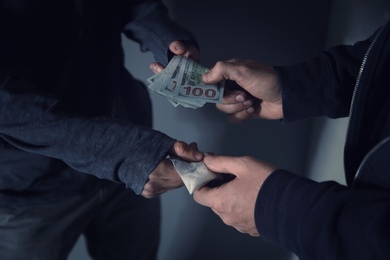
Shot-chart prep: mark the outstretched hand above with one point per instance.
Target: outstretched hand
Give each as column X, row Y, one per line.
column 234, row 202
column 164, row 177
column 260, row 96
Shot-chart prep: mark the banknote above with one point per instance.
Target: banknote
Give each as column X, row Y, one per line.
column 181, row 83
column 192, row 87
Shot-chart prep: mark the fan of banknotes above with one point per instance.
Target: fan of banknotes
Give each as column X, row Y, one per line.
column 181, row 83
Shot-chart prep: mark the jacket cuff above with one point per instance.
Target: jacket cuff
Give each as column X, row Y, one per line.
column 278, row 211
column 135, row 170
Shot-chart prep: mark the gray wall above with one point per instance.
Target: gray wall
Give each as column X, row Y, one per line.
column 278, row 32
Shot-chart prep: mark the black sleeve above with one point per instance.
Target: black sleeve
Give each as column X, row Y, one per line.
column 149, row 24
column 322, row 86
column 323, row 220
column 119, row 151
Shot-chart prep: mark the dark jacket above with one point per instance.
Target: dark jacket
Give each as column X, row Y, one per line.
column 327, row 220
column 70, row 113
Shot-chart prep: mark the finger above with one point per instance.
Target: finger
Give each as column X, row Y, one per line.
column 178, row 48
column 223, row 70
column 191, row 52
column 235, row 96
column 156, row 67
column 187, row 152
column 216, row 74
column 204, row 196
column 194, row 146
column 224, row 164
column 163, row 184
column 146, row 194
column 155, row 188
column 231, row 108
column 240, row 116
column 254, row 233
column 149, row 193
column 198, row 155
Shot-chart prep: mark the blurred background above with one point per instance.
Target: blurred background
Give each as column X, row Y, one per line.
column 279, row 32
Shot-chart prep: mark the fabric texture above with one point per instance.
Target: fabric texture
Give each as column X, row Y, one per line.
column 76, row 143
column 70, row 113
column 327, row 220
column 116, row 224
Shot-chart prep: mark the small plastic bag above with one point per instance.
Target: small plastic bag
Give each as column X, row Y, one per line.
column 194, row 174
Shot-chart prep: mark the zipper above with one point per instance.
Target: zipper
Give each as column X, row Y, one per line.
column 356, row 89
column 372, row 151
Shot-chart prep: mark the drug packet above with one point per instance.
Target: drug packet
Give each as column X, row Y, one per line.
column 194, row 174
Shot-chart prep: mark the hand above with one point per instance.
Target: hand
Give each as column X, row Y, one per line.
column 178, row 48
column 234, row 201
column 164, row 177
column 260, row 96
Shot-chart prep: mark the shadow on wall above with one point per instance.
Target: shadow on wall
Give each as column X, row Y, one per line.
column 278, row 32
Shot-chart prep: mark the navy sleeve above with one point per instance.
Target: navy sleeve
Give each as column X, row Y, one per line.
column 35, row 122
column 323, row 220
column 149, row 24
column 322, row 86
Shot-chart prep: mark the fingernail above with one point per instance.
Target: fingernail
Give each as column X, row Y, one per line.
column 153, row 67
column 199, row 156
column 250, row 110
column 240, row 98
column 206, row 159
column 248, row 103
column 179, row 46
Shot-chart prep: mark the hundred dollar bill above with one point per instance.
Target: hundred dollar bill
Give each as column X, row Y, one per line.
column 192, row 87
column 165, row 82
column 181, row 83
column 169, row 79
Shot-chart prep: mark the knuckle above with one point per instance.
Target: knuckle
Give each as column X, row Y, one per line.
column 242, row 115
column 151, row 186
column 228, row 221
column 179, row 147
column 148, row 186
column 220, row 65
column 147, row 194
column 219, row 206
column 245, row 159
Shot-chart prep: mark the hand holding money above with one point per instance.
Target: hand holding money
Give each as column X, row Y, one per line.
column 181, row 83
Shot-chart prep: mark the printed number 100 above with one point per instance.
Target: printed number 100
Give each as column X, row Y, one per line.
column 198, row 92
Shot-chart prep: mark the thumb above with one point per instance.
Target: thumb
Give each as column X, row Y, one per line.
column 156, row 67
column 178, row 48
column 188, row 152
column 223, row 70
column 221, row 164
column 214, row 75
column 201, row 196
